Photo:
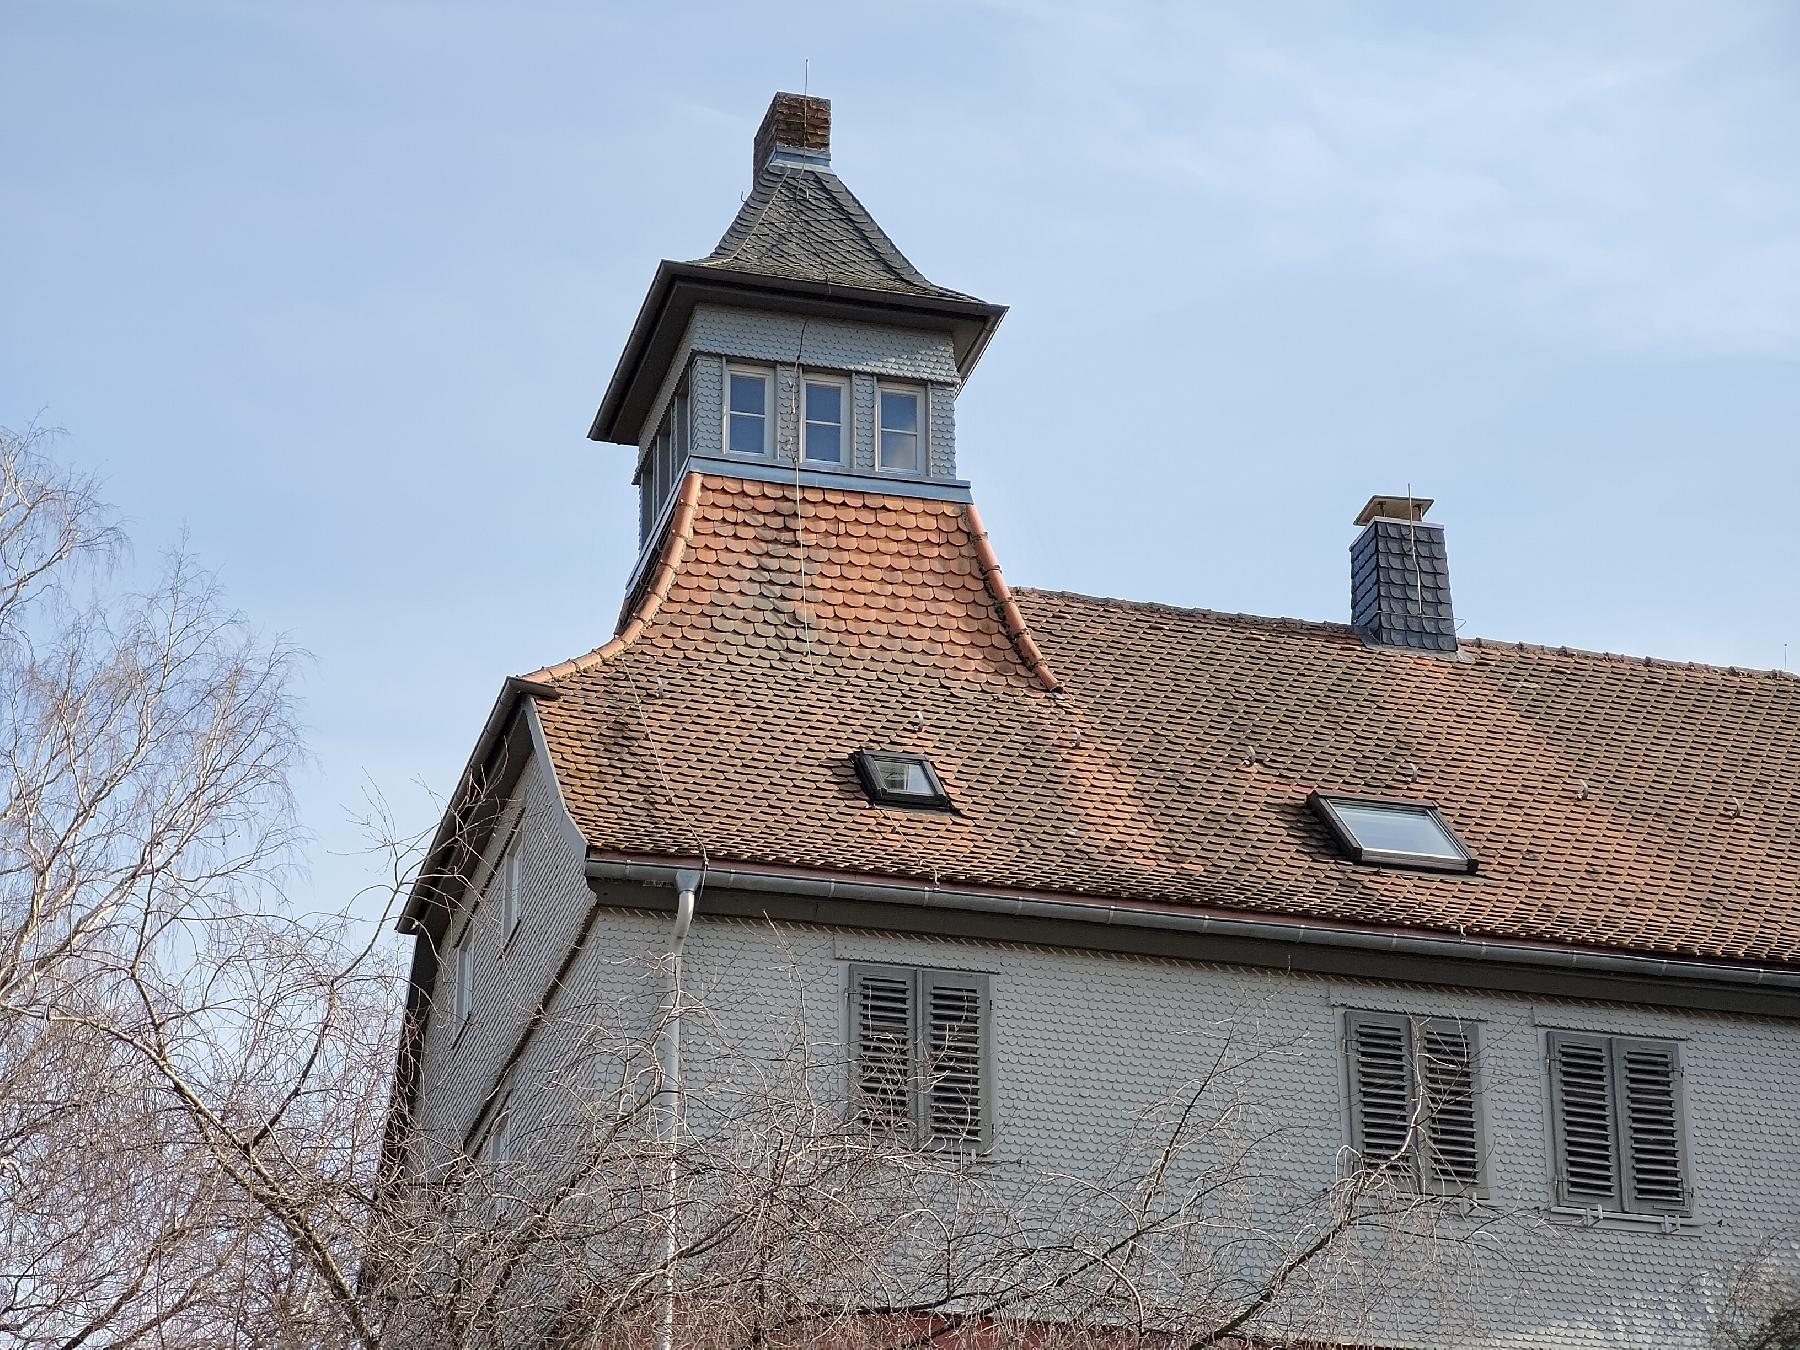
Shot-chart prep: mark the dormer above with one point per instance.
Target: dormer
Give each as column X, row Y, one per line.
column 805, row 347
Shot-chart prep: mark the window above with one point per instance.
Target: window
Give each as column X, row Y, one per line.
column 1400, row 834
column 900, row 780
column 500, row 1139
column 510, row 875
column 900, row 432
column 824, row 435
column 464, row 994
column 1617, row 1109
column 1415, row 1102
column 747, row 412
column 921, row 1055
column 900, row 438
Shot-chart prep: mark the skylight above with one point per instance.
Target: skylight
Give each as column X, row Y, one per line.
column 1397, row 833
column 893, row 779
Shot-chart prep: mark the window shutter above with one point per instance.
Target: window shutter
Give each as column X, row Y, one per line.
column 1381, row 1087
column 1587, row 1165
column 954, row 1088
column 1452, row 1127
column 882, row 1012
column 1648, row 1076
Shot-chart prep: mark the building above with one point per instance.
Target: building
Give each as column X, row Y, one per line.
column 1524, row 922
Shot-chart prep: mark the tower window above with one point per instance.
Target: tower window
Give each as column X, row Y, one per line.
column 900, row 430
column 824, row 421
column 747, row 416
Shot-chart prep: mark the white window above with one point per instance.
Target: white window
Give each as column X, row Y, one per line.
column 1621, row 1136
column 500, row 1145
column 825, row 400
column 510, row 876
column 747, row 420
column 901, row 434
column 464, row 993
column 920, row 1040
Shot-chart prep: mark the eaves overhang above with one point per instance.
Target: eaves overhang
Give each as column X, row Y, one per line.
column 679, row 287
column 1294, row 944
column 495, row 762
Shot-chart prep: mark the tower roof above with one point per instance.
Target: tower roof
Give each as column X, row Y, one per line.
column 801, row 222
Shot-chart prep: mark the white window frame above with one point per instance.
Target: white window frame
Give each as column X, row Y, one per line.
column 510, row 873
column 846, row 451
column 463, row 991
column 767, row 376
column 919, row 392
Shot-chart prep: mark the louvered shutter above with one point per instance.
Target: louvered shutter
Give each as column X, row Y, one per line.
column 881, row 1000
column 1647, row 1076
column 1582, row 1097
column 954, row 1090
column 1445, row 1054
column 1381, row 1087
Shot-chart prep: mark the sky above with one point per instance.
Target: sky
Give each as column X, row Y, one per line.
column 332, row 290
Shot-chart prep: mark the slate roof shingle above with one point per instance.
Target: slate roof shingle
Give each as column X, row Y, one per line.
column 801, row 222
column 1614, row 803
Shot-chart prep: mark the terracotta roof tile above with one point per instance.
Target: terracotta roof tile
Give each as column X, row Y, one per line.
column 1614, row 802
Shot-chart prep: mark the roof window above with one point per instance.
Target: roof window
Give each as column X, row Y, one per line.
column 1397, row 833
column 893, row 779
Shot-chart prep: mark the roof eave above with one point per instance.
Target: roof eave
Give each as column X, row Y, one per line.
column 678, row 287
column 428, row 885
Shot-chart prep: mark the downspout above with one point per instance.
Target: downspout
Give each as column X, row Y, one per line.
column 687, row 885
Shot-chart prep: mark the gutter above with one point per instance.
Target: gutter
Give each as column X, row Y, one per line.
column 1294, row 934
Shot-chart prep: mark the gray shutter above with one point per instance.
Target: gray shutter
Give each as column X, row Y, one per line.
column 881, row 1011
column 954, row 1090
column 1581, row 1082
column 1379, row 1047
column 1445, row 1051
column 1647, row 1074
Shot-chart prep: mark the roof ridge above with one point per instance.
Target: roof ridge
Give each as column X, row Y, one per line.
column 1480, row 643
column 675, row 545
column 1017, row 630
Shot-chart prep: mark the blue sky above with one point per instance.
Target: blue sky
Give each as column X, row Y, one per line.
column 334, row 288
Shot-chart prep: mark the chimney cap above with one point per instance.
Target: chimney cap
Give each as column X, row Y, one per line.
column 1384, row 506
column 796, row 126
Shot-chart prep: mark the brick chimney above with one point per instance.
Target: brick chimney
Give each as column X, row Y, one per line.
column 797, row 129
column 1400, row 578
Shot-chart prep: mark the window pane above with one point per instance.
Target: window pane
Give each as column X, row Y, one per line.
column 824, row 403
column 899, row 411
column 899, row 450
column 746, row 434
column 1397, row 829
column 824, row 442
column 904, row 776
column 749, row 394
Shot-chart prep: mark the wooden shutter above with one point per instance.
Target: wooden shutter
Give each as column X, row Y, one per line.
column 1647, row 1075
column 1379, row 1047
column 881, row 1011
column 1445, row 1053
column 1582, row 1099
column 954, row 1090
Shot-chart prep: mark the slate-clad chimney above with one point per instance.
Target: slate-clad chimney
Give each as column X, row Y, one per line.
column 1400, row 578
column 797, row 126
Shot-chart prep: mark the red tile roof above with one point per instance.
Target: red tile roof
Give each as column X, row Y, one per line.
column 1613, row 802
